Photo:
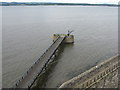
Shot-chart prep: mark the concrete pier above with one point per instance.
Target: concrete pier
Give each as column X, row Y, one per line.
column 40, row 65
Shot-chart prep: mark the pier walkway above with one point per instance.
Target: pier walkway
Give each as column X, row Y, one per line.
column 39, row 66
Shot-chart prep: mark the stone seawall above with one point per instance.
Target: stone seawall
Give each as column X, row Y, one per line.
column 111, row 81
column 91, row 77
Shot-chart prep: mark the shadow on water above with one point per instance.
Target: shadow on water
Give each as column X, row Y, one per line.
column 42, row 79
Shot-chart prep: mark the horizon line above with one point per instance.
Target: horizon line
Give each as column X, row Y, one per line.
column 59, row 2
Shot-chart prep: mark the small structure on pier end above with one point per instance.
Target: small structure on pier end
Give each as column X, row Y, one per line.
column 69, row 38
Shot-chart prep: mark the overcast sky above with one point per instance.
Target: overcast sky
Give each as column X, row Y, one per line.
column 67, row 1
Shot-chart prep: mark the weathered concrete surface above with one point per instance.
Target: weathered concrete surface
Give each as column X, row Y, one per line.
column 69, row 39
column 111, row 81
column 97, row 74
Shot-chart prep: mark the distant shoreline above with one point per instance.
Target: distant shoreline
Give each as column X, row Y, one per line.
column 52, row 4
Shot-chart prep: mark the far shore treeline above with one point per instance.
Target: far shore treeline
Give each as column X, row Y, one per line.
column 50, row 3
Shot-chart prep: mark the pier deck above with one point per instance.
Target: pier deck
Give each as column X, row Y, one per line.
column 31, row 75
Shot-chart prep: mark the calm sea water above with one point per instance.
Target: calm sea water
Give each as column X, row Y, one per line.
column 28, row 30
